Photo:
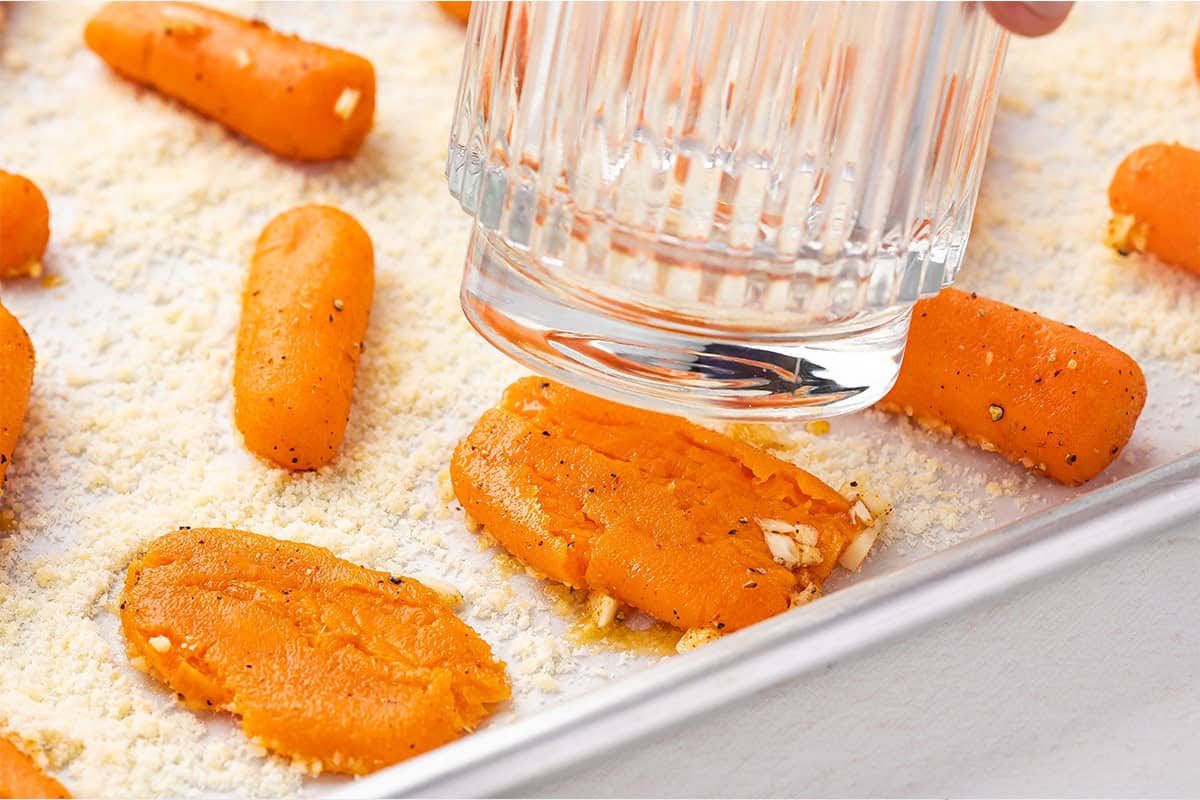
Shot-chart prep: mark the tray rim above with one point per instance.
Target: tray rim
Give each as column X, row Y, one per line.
column 852, row 620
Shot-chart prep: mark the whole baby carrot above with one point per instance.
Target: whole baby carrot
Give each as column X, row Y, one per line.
column 20, row 777
column 24, row 226
column 304, row 315
column 298, row 99
column 1046, row 395
column 1155, row 198
column 16, row 379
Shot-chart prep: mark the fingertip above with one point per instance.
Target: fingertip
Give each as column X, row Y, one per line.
column 1029, row 19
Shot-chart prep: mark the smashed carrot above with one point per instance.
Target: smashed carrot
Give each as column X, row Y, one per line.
column 16, row 380
column 342, row 667
column 24, row 226
column 298, row 99
column 459, row 9
column 648, row 509
column 1057, row 400
column 20, row 777
column 1155, row 198
column 304, row 316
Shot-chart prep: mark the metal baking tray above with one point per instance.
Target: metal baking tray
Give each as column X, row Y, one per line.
column 1030, row 532
column 792, row 645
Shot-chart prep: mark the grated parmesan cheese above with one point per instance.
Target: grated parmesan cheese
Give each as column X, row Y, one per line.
column 129, row 432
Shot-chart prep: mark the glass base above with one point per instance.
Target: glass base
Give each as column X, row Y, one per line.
column 642, row 361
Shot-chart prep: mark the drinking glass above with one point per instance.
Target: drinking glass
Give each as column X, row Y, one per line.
column 726, row 209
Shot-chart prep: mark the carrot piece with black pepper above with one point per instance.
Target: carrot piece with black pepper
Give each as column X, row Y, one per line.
column 1155, row 198
column 304, row 315
column 20, row 777
column 323, row 660
column 686, row 524
column 24, row 226
column 296, row 98
column 1046, row 395
column 16, row 380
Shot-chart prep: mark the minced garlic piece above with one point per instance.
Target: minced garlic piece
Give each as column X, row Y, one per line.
column 783, row 548
column 810, row 555
column 160, row 643
column 602, row 609
column 346, row 103
column 855, row 492
column 450, row 594
column 1126, row 235
column 791, row 545
column 806, row 534
column 860, row 513
column 856, row 552
column 695, row 638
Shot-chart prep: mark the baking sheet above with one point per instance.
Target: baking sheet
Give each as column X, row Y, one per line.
column 130, row 432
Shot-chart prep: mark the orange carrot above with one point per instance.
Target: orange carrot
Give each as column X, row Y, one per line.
column 323, row 660
column 20, row 777
column 304, row 316
column 16, row 378
column 1046, row 395
column 297, row 99
column 686, row 524
column 459, row 9
column 1155, row 198
column 24, row 226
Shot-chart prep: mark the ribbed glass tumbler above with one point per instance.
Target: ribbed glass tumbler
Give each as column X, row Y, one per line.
column 721, row 208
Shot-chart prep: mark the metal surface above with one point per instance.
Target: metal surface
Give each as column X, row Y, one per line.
column 1078, row 686
column 859, row 617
